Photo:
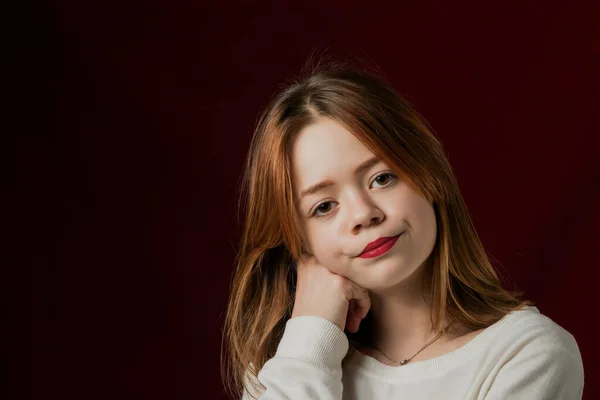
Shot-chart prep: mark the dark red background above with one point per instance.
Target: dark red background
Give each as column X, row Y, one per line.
column 133, row 121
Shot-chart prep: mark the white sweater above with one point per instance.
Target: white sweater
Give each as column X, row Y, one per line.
column 525, row 355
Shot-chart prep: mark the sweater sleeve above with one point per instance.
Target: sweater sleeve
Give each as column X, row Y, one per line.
column 549, row 368
column 307, row 364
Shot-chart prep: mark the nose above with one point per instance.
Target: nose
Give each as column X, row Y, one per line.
column 363, row 212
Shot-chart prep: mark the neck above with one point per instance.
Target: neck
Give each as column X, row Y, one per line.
column 401, row 322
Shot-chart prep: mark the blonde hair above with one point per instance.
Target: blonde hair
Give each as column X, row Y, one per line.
column 463, row 283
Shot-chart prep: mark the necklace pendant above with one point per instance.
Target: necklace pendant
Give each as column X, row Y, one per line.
column 404, row 362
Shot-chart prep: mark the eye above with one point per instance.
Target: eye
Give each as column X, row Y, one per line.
column 385, row 179
column 324, row 207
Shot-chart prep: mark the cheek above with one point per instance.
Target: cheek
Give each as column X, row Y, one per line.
column 423, row 221
column 408, row 206
column 323, row 243
column 325, row 246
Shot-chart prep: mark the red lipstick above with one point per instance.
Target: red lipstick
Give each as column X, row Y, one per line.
column 379, row 247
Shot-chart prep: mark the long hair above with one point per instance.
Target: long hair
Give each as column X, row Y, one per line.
column 463, row 284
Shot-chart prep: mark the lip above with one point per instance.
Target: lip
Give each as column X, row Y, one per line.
column 379, row 246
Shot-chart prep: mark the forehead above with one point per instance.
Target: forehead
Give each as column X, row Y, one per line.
column 323, row 150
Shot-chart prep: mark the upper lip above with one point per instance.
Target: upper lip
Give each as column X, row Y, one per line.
column 376, row 243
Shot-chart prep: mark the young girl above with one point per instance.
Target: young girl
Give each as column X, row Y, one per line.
column 360, row 274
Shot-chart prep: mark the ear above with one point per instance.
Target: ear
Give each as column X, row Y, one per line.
column 308, row 254
column 305, row 249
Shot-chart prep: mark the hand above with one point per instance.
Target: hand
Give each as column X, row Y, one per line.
column 321, row 293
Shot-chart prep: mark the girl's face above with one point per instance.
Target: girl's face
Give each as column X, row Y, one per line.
column 355, row 200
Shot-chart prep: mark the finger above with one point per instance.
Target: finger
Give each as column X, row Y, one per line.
column 352, row 322
column 357, row 310
column 361, row 301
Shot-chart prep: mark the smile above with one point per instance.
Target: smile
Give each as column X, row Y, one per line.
column 382, row 246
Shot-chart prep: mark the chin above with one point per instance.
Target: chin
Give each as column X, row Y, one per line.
column 385, row 276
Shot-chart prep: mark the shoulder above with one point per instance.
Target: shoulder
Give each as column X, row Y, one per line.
column 532, row 343
column 533, row 353
column 253, row 388
column 528, row 327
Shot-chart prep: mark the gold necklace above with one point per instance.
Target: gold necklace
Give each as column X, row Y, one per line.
column 404, row 362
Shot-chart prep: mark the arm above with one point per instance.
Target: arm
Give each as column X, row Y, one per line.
column 307, row 364
column 541, row 370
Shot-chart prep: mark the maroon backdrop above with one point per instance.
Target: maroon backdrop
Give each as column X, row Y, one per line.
column 134, row 121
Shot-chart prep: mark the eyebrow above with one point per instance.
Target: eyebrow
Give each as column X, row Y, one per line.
column 328, row 183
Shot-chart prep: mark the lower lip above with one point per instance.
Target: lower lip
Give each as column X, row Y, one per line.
column 384, row 248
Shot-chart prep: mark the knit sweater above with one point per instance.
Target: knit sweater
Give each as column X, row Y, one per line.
column 525, row 355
